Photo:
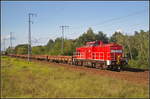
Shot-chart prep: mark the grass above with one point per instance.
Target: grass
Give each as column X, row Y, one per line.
column 22, row 79
column 138, row 64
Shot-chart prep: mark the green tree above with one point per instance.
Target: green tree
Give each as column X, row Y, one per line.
column 101, row 36
column 142, row 41
column 10, row 50
column 56, row 50
column 135, row 47
column 21, row 49
column 85, row 37
column 49, row 44
column 69, row 47
column 38, row 50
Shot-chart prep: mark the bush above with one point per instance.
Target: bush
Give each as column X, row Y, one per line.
column 137, row 64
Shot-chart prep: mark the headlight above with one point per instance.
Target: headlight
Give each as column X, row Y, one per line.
column 116, row 51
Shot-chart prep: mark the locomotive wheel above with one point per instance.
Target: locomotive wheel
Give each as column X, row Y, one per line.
column 118, row 68
column 93, row 65
column 73, row 62
column 81, row 63
column 104, row 67
column 77, row 63
column 109, row 67
column 97, row 67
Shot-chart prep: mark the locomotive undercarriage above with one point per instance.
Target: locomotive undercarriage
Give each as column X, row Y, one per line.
column 100, row 64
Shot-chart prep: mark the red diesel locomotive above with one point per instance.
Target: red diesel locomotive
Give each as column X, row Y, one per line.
column 100, row 55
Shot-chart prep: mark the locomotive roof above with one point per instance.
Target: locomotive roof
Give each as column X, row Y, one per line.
column 98, row 43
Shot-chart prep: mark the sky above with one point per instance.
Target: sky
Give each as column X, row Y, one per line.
column 106, row 16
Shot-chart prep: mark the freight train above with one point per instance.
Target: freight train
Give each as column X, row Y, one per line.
column 94, row 54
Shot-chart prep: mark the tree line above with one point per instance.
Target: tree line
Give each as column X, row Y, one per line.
column 135, row 46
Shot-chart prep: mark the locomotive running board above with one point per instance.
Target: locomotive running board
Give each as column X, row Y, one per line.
column 91, row 60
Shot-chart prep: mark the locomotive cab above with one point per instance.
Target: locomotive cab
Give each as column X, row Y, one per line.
column 116, row 59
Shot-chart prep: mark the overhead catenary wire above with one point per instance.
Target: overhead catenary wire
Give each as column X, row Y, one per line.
column 121, row 17
column 113, row 19
column 42, row 39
